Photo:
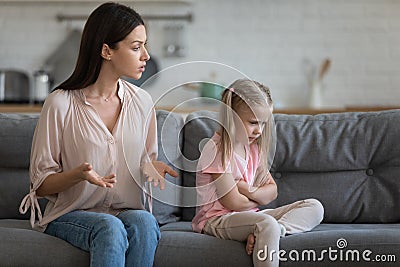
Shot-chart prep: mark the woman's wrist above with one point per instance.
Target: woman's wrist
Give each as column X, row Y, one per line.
column 78, row 174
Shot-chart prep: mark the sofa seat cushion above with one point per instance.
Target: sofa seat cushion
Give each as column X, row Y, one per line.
column 14, row 223
column 178, row 226
column 26, row 247
column 181, row 248
column 193, row 249
column 380, row 239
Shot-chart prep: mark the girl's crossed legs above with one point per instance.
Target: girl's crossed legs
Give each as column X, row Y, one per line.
column 297, row 217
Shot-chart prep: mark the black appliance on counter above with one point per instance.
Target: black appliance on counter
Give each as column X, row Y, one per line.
column 14, row 86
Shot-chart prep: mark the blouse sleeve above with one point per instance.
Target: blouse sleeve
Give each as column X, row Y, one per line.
column 46, row 150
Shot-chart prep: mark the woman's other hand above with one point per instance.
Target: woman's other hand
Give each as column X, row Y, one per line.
column 88, row 174
column 155, row 172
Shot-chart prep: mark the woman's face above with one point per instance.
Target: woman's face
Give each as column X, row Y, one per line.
column 130, row 55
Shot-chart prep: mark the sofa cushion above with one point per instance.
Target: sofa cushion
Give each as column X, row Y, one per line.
column 344, row 245
column 383, row 240
column 349, row 161
column 16, row 139
column 305, row 249
column 199, row 126
column 23, row 247
column 177, row 248
column 15, row 145
column 169, row 126
column 181, row 226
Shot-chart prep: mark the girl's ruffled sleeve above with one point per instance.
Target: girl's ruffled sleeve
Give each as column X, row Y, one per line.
column 45, row 153
column 210, row 160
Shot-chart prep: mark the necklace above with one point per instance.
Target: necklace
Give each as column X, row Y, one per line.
column 108, row 98
column 105, row 98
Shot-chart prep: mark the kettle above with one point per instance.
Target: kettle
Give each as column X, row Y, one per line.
column 41, row 86
column 14, row 86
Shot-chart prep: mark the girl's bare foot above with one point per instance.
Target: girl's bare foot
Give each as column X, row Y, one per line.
column 251, row 239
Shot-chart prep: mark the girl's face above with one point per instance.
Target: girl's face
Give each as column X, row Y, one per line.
column 252, row 122
column 130, row 56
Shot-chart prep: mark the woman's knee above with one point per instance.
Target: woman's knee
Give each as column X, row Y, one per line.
column 111, row 231
column 140, row 222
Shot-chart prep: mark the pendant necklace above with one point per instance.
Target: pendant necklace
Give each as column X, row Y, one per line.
column 107, row 98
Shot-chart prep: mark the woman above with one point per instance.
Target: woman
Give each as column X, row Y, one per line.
column 95, row 129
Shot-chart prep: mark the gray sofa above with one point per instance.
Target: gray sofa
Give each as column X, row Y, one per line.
column 348, row 161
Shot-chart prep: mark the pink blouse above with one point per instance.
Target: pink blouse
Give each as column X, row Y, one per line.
column 70, row 132
column 210, row 162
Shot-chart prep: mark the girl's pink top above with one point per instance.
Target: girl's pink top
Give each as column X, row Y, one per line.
column 208, row 205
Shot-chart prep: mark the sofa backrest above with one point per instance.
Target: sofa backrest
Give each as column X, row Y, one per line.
column 169, row 133
column 16, row 132
column 348, row 161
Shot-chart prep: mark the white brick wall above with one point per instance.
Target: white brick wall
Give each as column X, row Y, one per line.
column 267, row 40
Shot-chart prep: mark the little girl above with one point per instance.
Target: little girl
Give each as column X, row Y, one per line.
column 233, row 178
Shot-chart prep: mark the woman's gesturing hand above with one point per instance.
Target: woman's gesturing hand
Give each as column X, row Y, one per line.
column 155, row 172
column 92, row 177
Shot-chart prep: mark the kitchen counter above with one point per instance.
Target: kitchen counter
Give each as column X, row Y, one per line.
column 20, row 108
column 295, row 110
column 35, row 108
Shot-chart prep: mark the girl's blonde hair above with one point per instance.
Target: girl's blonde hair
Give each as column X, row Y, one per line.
column 239, row 94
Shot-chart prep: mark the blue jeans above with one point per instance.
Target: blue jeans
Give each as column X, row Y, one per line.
column 128, row 239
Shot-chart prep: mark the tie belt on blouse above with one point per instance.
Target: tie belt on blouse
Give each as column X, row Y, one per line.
column 30, row 200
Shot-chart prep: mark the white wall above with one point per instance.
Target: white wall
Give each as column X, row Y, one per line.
column 268, row 40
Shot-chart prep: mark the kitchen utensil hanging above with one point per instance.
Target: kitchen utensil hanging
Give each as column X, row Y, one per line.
column 316, row 96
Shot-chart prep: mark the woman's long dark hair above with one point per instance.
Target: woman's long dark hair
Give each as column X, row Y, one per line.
column 107, row 24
